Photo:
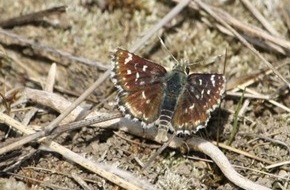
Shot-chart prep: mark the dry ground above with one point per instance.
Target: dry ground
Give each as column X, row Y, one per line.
column 91, row 29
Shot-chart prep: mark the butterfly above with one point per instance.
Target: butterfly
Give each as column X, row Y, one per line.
column 174, row 100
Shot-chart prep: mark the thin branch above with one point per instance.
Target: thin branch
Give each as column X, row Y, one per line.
column 286, row 15
column 32, row 17
column 285, row 108
column 260, row 17
column 255, row 40
column 175, row 11
column 253, row 96
column 58, row 56
column 251, row 30
column 223, row 163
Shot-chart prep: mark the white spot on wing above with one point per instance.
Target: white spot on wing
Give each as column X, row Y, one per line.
column 143, row 95
column 191, row 107
column 200, row 82
column 200, row 127
column 209, row 110
column 144, row 68
column 186, row 132
column 128, row 59
column 178, row 132
column 129, row 72
column 212, row 80
column 137, row 76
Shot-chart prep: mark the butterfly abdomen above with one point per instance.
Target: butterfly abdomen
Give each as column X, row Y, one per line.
column 174, row 86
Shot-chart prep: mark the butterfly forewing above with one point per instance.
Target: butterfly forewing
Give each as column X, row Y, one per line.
column 140, row 85
column 133, row 72
column 201, row 95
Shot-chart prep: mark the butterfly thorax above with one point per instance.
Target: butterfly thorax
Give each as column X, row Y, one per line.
column 174, row 86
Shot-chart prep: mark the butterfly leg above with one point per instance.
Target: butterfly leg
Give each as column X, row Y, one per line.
column 165, row 145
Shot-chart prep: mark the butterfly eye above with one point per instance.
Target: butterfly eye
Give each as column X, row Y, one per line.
column 187, row 70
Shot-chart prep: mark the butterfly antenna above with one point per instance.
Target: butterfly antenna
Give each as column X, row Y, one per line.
column 225, row 61
column 219, row 113
column 159, row 151
column 167, row 50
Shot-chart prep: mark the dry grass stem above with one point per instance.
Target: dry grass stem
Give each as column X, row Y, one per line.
column 58, row 56
column 32, row 17
column 80, row 181
column 224, row 146
column 260, row 17
column 50, row 79
column 175, row 11
column 279, row 164
column 285, row 108
column 248, row 95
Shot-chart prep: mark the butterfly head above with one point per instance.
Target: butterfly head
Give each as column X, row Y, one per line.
column 182, row 67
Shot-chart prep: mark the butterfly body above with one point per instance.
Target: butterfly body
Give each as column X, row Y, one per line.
column 174, row 100
column 173, row 86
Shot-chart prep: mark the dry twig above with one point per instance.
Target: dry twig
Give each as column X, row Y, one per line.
column 260, row 17
column 32, row 17
column 58, row 56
